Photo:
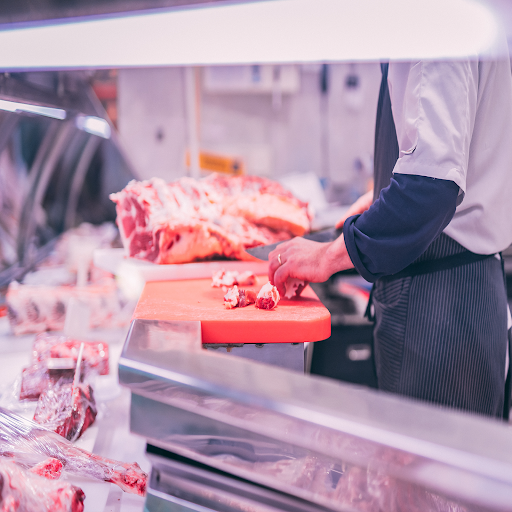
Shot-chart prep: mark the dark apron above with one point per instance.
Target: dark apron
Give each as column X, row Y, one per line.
column 441, row 324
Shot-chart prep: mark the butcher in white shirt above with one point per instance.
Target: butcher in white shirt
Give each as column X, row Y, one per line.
column 430, row 234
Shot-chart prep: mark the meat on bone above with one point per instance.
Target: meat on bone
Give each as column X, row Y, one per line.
column 24, row 491
column 190, row 219
column 28, row 444
column 49, row 468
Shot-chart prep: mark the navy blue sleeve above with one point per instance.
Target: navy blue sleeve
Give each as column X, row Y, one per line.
column 408, row 215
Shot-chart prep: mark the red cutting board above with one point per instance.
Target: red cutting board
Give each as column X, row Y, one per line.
column 296, row 320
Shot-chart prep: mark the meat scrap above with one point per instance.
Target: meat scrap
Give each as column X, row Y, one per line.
column 24, row 491
column 239, row 298
column 28, row 444
column 190, row 220
column 268, row 297
column 67, row 410
column 225, row 279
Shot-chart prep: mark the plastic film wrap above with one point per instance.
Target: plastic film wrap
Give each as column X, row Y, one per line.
column 24, row 491
column 95, row 356
column 66, row 409
column 28, row 444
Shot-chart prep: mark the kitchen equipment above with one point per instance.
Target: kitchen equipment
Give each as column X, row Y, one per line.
column 249, row 332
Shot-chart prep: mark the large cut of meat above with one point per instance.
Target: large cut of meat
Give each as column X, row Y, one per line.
column 217, row 216
column 25, row 491
column 28, row 444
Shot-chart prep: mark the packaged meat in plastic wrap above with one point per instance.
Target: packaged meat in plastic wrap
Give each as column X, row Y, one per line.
column 25, row 491
column 66, row 409
column 39, row 308
column 54, row 360
column 95, row 354
column 38, row 377
column 29, row 444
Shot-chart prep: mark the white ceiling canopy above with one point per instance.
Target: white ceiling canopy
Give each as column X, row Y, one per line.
column 269, row 31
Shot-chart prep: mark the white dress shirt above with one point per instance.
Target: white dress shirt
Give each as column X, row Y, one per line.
column 454, row 122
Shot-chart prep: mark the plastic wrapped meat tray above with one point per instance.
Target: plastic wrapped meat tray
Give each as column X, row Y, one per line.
column 48, row 350
column 29, row 444
column 66, row 409
column 25, row 491
column 191, row 220
column 95, row 355
column 39, row 308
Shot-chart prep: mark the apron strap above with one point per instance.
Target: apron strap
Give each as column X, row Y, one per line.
column 449, row 262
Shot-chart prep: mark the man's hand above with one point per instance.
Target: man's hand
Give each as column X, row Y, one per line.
column 360, row 206
column 311, row 262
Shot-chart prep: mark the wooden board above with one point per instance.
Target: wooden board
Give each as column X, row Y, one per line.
column 302, row 319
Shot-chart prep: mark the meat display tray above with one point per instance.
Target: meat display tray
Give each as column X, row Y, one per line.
column 296, row 320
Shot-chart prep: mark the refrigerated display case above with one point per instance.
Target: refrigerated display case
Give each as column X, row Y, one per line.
column 60, row 158
column 226, row 434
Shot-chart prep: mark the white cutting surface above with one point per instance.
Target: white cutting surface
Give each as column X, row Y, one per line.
column 132, row 273
column 109, row 436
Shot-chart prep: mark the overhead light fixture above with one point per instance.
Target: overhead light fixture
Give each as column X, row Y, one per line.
column 268, row 31
column 14, row 106
column 93, row 125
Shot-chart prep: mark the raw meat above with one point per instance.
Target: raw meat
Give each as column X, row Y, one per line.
column 34, row 380
column 50, row 468
column 293, row 287
column 191, row 219
column 268, row 297
column 66, row 409
column 225, row 279
column 28, row 444
column 39, row 308
column 95, row 355
column 263, row 202
column 48, row 351
column 238, row 298
column 24, row 491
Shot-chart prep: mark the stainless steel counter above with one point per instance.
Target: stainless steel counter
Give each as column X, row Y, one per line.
column 338, row 446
